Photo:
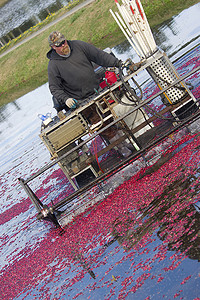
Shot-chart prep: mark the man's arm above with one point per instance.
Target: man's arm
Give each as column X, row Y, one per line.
column 99, row 56
column 55, row 85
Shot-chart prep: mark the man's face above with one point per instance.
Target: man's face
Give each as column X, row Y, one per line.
column 62, row 49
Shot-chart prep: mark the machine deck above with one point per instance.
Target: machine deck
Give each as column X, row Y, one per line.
column 128, row 124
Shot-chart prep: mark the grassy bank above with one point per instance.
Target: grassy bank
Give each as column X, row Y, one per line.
column 3, row 2
column 25, row 68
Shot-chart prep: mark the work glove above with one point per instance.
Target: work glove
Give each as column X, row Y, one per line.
column 71, row 102
column 134, row 66
column 131, row 66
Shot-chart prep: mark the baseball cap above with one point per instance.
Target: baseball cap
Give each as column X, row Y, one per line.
column 55, row 38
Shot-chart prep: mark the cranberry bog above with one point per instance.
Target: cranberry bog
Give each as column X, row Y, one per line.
column 139, row 241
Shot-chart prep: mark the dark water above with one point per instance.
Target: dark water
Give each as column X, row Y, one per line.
column 141, row 242
column 17, row 16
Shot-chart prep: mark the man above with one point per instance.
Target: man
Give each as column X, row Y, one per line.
column 72, row 77
column 70, row 69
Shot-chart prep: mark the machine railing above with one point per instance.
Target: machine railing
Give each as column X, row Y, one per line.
column 45, row 211
column 142, row 104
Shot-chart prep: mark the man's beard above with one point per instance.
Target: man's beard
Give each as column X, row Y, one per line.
column 65, row 50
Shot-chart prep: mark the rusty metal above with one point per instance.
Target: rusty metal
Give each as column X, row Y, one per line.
column 143, row 103
column 125, row 162
column 100, row 179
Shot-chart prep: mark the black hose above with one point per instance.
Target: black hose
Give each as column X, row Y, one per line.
column 132, row 92
column 135, row 97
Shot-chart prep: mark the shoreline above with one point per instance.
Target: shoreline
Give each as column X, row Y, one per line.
column 34, row 34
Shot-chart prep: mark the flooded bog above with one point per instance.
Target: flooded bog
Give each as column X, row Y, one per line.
column 141, row 242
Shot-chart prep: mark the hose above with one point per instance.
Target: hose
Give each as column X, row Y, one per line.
column 134, row 95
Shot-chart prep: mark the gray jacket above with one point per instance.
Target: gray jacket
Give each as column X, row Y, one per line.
column 74, row 76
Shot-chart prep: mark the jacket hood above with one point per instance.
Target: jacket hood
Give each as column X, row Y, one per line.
column 52, row 54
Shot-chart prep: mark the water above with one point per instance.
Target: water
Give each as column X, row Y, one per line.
column 179, row 33
column 141, row 242
column 175, row 36
column 16, row 16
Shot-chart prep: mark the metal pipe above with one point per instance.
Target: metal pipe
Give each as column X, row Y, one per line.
column 134, row 15
column 123, row 164
column 148, row 29
column 132, row 25
column 127, row 34
column 45, row 168
column 34, row 199
column 134, row 44
column 139, row 32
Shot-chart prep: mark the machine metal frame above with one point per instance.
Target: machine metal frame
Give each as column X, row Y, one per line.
column 92, row 131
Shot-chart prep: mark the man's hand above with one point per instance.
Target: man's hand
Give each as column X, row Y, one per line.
column 71, row 103
column 131, row 66
column 134, row 66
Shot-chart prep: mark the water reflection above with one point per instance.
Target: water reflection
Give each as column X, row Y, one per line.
column 175, row 33
column 123, row 47
column 141, row 242
column 172, row 215
column 175, row 36
column 20, row 125
column 3, row 110
column 17, row 16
